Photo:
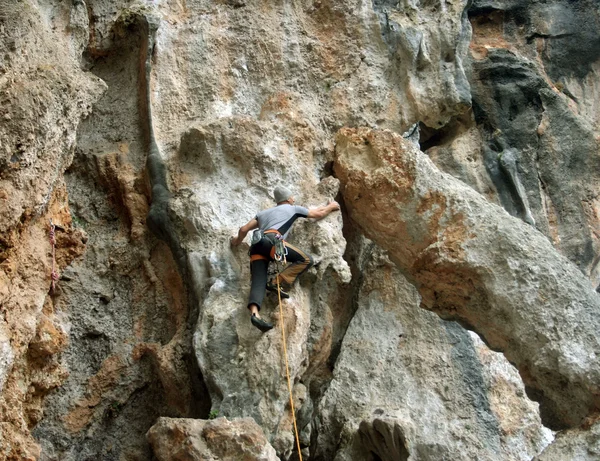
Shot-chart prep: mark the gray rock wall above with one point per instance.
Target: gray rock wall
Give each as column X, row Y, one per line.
column 149, row 318
column 408, row 385
column 474, row 263
column 533, row 74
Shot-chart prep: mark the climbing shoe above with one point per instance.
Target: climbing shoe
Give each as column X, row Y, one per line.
column 273, row 287
column 260, row 324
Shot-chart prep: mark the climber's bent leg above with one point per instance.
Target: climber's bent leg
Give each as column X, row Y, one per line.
column 259, row 266
column 300, row 263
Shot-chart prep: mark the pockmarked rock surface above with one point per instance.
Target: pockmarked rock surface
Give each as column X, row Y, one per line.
column 436, row 51
column 215, row 440
column 240, row 95
column 245, row 370
column 446, row 401
column 582, row 444
column 474, row 263
column 124, row 302
column 533, row 72
column 44, row 94
column 550, row 141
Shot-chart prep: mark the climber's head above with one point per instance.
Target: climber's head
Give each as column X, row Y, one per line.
column 283, row 194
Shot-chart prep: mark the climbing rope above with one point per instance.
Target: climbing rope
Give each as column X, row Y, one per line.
column 54, row 274
column 287, row 366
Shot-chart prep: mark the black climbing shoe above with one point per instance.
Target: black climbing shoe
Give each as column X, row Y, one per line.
column 273, row 287
column 260, row 324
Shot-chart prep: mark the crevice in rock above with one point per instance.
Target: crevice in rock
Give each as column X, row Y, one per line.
column 358, row 250
column 532, row 37
column 432, row 137
column 127, row 300
column 158, row 219
column 384, row 439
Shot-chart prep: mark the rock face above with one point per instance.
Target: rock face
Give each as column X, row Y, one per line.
column 219, row 439
column 576, row 444
column 446, row 385
column 44, row 95
column 474, row 263
column 533, row 74
column 124, row 303
column 434, row 82
column 243, row 369
column 149, row 131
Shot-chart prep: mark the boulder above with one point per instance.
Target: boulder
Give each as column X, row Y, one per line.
column 240, row 439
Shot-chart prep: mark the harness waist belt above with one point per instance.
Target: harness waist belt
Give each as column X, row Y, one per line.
column 257, row 257
column 272, row 231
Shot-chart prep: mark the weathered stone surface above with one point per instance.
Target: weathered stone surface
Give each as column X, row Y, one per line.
column 458, row 149
column 436, row 53
column 547, row 152
column 408, row 385
column 244, row 369
column 574, row 445
column 254, row 132
column 214, row 440
column 124, row 303
column 473, row 263
column 6, row 355
column 566, row 34
column 534, row 70
column 517, row 89
column 341, row 62
column 245, row 94
column 44, row 95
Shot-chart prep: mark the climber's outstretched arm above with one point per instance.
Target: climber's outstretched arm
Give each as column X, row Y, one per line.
column 322, row 211
column 243, row 231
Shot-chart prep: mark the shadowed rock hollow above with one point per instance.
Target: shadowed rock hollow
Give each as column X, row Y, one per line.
column 150, row 130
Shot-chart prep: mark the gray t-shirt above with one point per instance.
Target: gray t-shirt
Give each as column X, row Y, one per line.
column 280, row 217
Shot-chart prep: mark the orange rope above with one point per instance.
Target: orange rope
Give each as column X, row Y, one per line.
column 54, row 274
column 287, row 368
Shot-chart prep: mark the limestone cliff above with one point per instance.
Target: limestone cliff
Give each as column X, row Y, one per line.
column 461, row 139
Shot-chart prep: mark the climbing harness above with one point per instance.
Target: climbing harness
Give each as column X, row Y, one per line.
column 54, row 275
column 257, row 236
column 287, row 366
column 280, row 250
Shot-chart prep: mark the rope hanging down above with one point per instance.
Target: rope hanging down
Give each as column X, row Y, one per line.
column 54, row 274
column 287, row 367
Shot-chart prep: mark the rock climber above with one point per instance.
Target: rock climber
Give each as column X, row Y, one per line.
column 273, row 224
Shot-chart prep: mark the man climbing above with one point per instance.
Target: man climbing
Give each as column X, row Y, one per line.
column 274, row 224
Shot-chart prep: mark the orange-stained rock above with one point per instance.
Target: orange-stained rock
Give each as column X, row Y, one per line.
column 109, row 374
column 48, row 341
column 214, row 440
column 473, row 262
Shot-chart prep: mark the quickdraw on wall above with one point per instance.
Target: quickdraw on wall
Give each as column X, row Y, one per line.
column 280, row 250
